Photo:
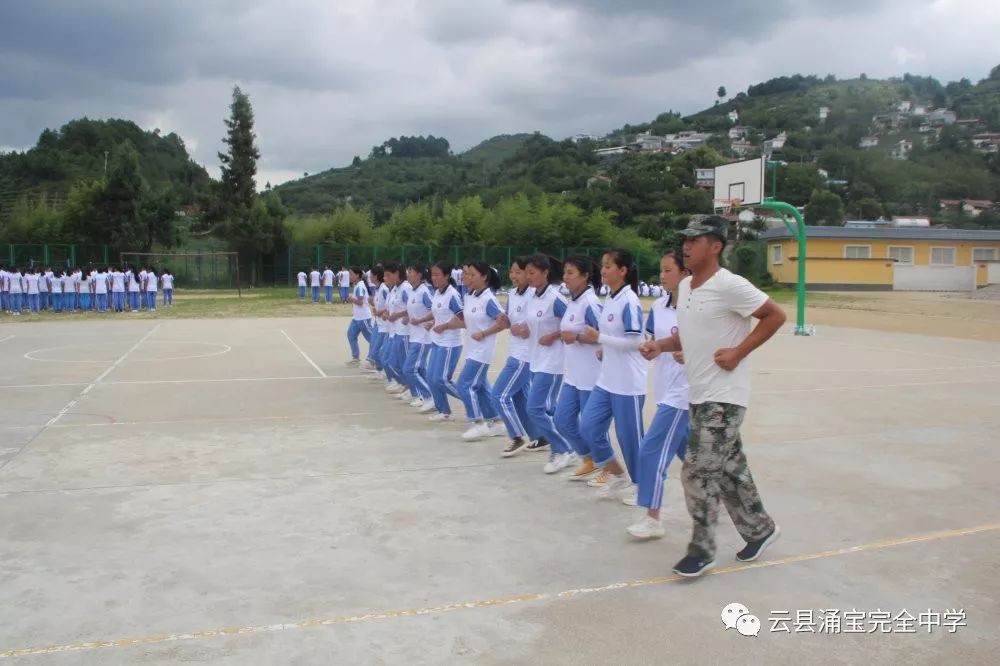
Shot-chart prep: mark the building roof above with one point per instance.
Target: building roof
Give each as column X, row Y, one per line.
column 908, row 233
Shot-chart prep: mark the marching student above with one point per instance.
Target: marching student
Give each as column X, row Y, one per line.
column 621, row 387
column 117, row 289
column 381, row 331
column 582, row 278
column 510, row 391
column 668, row 432
column 328, row 284
column 361, row 321
column 446, row 342
column 400, row 334
column 151, row 285
column 418, row 313
column 302, row 277
column 55, row 290
column 546, row 306
column 134, row 289
column 482, row 317
column 167, row 279
column 344, row 281
column 314, row 278
column 393, row 380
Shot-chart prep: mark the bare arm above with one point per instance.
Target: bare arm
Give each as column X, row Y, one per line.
column 770, row 318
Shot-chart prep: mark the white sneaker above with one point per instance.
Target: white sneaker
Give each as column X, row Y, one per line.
column 392, row 386
column 616, row 485
column 557, row 461
column 428, row 407
column 400, row 388
column 417, row 402
column 440, row 417
column 369, row 367
column 476, row 431
column 353, row 362
column 647, row 528
column 498, row 429
column 631, row 496
column 405, row 395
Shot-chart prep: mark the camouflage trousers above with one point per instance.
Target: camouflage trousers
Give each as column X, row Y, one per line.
column 715, row 467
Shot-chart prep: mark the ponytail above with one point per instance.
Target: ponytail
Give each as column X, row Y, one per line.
column 446, row 269
column 487, row 271
column 586, row 266
column 423, row 270
column 551, row 265
column 622, row 258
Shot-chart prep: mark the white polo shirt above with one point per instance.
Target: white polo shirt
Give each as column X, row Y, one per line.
column 716, row 316
column 101, row 283
column 623, row 371
column 398, row 299
column 328, row 278
column 381, row 302
column 582, row 364
column 151, row 282
column 168, row 281
column 670, row 385
column 361, row 312
column 345, row 278
column 517, row 312
column 118, row 282
column 480, row 311
column 15, row 282
column 445, row 306
column 134, row 285
column 418, row 307
column 545, row 309
column 302, row 279
column 32, row 280
column 313, row 278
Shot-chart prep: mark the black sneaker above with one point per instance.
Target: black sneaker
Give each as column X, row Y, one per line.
column 539, row 444
column 753, row 549
column 692, row 567
column 515, row 445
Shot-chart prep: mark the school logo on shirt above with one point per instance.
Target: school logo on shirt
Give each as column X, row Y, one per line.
column 539, row 314
column 519, row 308
column 611, row 317
column 473, row 309
column 572, row 317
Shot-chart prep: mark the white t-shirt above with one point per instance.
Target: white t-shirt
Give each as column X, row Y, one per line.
column 381, row 301
column 623, row 371
column 69, row 284
column 3, row 281
column 345, row 278
column 32, row 280
column 445, row 307
column 582, row 364
column 544, row 312
column 670, row 385
column 716, row 316
column 15, row 282
column 480, row 312
column 302, row 279
column 456, row 275
column 56, row 285
column 361, row 312
column 101, row 283
column 398, row 298
column 328, row 278
column 134, row 284
column 118, row 282
column 168, row 281
column 517, row 312
column 314, row 279
column 418, row 307
column 151, row 281
column 43, row 282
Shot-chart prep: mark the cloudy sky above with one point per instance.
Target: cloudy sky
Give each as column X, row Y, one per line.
column 330, row 78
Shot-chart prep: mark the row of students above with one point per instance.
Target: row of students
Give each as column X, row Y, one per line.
column 578, row 365
column 315, row 281
column 67, row 290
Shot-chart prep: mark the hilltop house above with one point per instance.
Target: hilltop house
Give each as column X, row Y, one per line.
column 901, row 150
column 942, row 117
column 705, row 178
column 824, row 112
column 777, row 143
column 734, row 116
column 973, row 207
column 868, row 142
column 739, row 131
column 741, row 148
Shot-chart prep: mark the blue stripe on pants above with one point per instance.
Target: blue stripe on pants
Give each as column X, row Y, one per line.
column 444, row 360
column 358, row 327
column 388, row 345
column 510, row 397
column 572, row 402
column 542, row 405
column 375, row 348
column 416, row 380
column 397, row 357
column 666, row 437
column 474, row 388
column 626, row 410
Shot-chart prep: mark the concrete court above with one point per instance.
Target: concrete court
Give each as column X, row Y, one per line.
column 228, row 492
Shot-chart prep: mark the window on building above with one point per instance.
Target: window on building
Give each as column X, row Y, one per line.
column 901, row 255
column 857, row 251
column 984, row 254
column 776, row 254
column 942, row 256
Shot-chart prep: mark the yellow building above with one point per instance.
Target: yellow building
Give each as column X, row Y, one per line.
column 900, row 258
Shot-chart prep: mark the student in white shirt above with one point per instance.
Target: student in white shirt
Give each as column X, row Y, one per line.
column 134, row 289
column 302, row 277
column 55, row 291
column 151, row 285
column 43, row 288
column 546, row 306
column 714, row 314
column 314, row 280
column 446, row 342
column 399, row 333
column 15, row 286
column 419, row 316
column 344, row 282
column 117, row 290
column 668, row 432
column 481, row 316
column 456, row 276
column 85, row 291
column 101, row 290
column 620, row 392
column 328, row 284
column 381, row 333
column 31, row 280
column 582, row 366
column 168, row 288
column 361, row 321
column 4, row 290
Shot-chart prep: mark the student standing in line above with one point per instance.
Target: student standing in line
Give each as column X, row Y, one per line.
column 393, row 381
column 43, row 288
column 620, row 392
column 15, row 283
column 716, row 335
column 142, row 289
column 151, row 285
column 344, row 282
column 510, row 391
column 85, row 291
column 668, row 432
column 582, row 278
column 4, row 289
column 100, row 285
column 328, row 284
column 418, row 313
column 55, row 291
column 482, row 317
column 399, row 295
column 361, row 321
column 314, row 279
column 31, row 280
column 302, row 277
column 456, row 276
column 381, row 325
column 118, row 290
column 446, row 342
column 168, row 288
column 546, row 306
column 134, row 289
column 70, row 297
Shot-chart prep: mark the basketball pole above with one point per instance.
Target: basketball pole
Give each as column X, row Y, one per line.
column 786, row 210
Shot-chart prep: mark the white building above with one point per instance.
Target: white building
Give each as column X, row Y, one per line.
column 868, row 142
column 904, row 106
column 739, row 131
column 608, row 152
column 901, row 150
column 734, row 116
column 824, row 112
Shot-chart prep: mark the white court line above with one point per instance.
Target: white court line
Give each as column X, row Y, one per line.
column 304, row 355
column 9, row 337
column 239, row 419
column 189, row 381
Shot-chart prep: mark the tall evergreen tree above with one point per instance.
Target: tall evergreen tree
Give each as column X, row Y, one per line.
column 239, row 164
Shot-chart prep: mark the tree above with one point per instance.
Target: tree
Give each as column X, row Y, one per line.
column 870, row 209
column 824, row 209
column 721, row 92
column 121, row 200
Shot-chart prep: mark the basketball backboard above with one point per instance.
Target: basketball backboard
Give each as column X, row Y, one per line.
column 739, row 181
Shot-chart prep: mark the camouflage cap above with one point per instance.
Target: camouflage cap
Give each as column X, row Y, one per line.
column 703, row 225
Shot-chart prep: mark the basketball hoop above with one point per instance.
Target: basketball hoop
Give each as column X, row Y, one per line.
column 729, row 208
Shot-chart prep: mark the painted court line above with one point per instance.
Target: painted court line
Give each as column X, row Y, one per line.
column 304, row 355
column 240, row 419
column 484, row 603
column 9, row 337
